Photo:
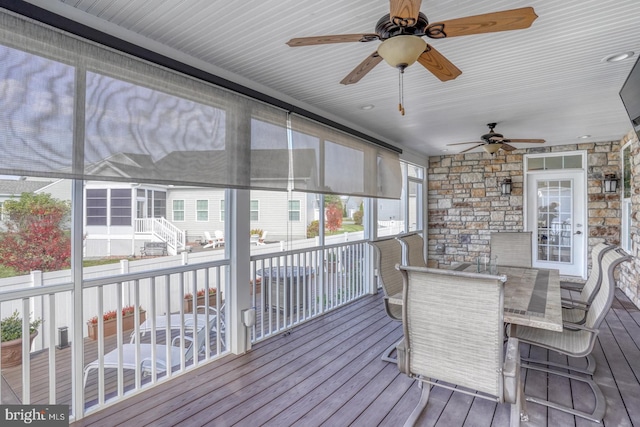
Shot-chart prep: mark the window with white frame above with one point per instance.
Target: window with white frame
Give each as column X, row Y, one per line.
column 222, row 210
column 178, row 210
column 121, row 206
column 404, row 215
column 202, row 210
column 254, row 213
column 294, row 210
column 96, row 210
column 625, row 238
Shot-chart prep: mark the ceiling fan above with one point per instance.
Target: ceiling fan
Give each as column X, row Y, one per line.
column 493, row 141
column 401, row 33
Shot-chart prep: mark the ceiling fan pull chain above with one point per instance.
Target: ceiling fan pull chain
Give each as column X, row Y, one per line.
column 401, row 91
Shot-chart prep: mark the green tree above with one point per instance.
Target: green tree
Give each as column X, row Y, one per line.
column 35, row 238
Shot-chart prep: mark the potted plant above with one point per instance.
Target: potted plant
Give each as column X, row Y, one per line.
column 188, row 299
column 110, row 319
column 12, row 338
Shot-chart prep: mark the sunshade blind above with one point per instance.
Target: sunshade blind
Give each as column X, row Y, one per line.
column 341, row 163
column 71, row 108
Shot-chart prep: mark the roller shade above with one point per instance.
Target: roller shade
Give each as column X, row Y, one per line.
column 71, row 108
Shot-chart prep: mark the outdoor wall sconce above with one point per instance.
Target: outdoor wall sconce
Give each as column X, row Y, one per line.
column 610, row 183
column 505, row 187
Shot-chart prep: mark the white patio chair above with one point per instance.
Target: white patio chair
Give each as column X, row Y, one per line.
column 144, row 362
column 576, row 340
column 388, row 253
column 453, row 338
column 218, row 238
column 192, row 323
column 513, row 249
column 210, row 241
column 262, row 239
column 412, row 250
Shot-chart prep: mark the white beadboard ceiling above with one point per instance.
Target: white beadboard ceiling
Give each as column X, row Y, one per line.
column 547, row 81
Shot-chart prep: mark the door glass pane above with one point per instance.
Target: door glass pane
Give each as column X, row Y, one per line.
column 555, row 213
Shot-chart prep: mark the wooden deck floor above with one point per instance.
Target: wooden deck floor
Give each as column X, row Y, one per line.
column 328, row 372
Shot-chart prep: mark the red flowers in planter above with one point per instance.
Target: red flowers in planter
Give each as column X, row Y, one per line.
column 201, row 292
column 112, row 314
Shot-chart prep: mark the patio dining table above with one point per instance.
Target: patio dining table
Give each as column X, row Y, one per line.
column 531, row 295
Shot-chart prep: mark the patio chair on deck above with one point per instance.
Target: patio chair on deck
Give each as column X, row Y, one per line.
column 144, row 361
column 513, row 249
column 413, row 250
column 192, row 323
column 575, row 310
column 576, row 340
column 388, row 253
column 453, row 338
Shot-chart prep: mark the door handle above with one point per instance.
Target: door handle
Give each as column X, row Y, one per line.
column 578, row 232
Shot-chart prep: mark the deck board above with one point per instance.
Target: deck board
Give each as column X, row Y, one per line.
column 328, row 372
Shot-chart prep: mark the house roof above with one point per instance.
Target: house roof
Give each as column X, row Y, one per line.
column 15, row 187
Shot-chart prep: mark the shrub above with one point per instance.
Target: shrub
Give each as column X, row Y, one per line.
column 357, row 217
column 334, row 217
column 12, row 327
column 35, row 238
column 313, row 229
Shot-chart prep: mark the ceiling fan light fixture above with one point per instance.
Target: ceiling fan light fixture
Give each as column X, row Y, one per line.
column 492, row 148
column 402, row 51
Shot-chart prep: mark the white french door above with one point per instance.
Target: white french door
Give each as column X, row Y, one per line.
column 555, row 205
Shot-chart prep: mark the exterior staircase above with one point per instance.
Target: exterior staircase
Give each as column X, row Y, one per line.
column 162, row 230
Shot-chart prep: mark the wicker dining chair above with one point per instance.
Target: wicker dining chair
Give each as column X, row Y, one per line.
column 576, row 340
column 388, row 253
column 513, row 249
column 453, row 338
column 412, row 250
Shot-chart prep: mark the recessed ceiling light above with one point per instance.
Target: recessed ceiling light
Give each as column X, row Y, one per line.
column 584, row 136
column 367, row 107
column 618, row 57
column 445, row 149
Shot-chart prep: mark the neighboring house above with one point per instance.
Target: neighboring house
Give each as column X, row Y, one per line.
column 120, row 215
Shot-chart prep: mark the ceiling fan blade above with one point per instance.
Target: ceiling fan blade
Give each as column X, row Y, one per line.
column 508, row 147
column 438, row 65
column 515, row 19
column 335, row 38
column 469, row 149
column 404, row 13
column 461, row 143
column 361, row 70
column 531, row 141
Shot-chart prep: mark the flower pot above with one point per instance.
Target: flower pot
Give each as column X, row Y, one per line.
column 188, row 302
column 111, row 325
column 12, row 351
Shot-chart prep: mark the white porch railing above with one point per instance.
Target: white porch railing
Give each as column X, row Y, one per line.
column 156, row 288
column 132, row 359
column 164, row 231
column 288, row 288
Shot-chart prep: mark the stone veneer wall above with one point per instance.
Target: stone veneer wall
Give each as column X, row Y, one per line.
column 465, row 204
column 629, row 280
